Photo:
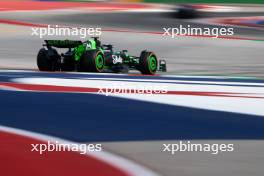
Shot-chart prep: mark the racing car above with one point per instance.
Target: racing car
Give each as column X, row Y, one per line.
column 92, row 56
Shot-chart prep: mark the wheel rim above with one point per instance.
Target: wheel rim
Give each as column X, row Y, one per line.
column 99, row 62
column 152, row 63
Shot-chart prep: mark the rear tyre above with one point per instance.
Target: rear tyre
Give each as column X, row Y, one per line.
column 148, row 63
column 92, row 61
column 48, row 60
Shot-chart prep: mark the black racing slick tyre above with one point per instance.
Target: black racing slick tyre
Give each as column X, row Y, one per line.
column 92, row 61
column 48, row 60
column 148, row 63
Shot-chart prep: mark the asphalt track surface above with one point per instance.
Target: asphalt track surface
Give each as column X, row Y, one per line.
column 126, row 133
column 184, row 55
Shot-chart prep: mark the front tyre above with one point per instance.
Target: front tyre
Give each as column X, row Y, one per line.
column 92, row 61
column 148, row 63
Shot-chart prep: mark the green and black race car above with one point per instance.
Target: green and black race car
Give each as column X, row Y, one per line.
column 91, row 56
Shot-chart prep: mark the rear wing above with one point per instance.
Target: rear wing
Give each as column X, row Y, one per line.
column 63, row 43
